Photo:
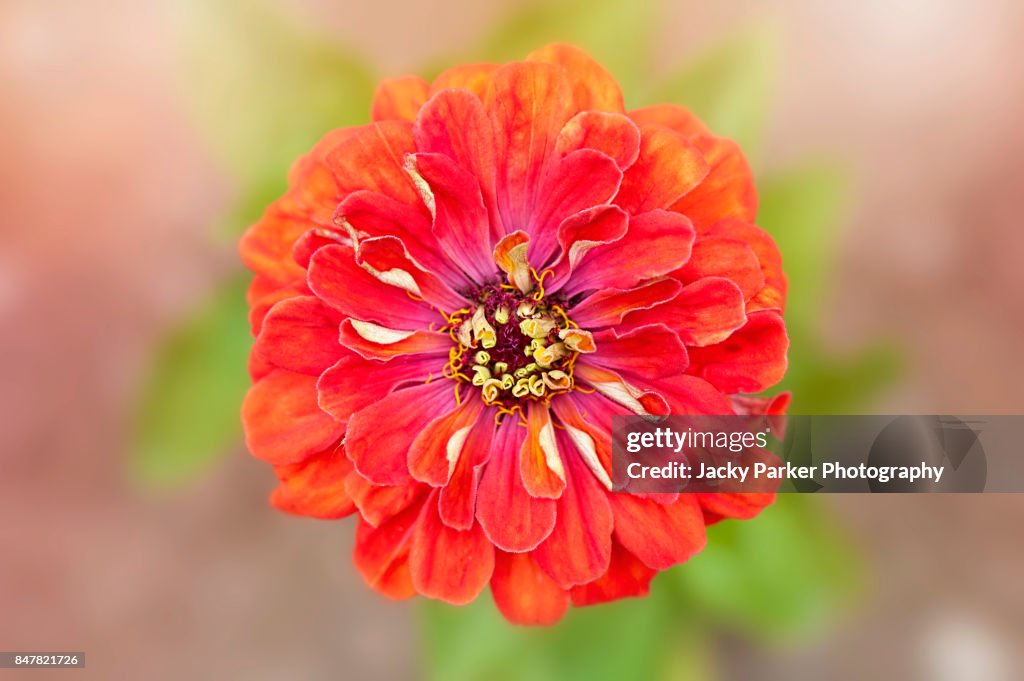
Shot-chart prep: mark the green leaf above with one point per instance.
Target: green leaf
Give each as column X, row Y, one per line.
column 615, row 32
column 188, row 413
column 264, row 89
column 626, row 639
column 730, row 86
column 781, row 575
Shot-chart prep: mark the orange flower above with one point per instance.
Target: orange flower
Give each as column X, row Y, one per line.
column 452, row 302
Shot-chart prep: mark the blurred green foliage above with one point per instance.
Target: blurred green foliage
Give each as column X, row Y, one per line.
column 265, row 88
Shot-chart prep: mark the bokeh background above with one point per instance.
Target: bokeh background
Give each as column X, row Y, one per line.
column 138, row 138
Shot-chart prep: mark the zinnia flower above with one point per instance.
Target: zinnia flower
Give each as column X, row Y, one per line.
column 452, row 302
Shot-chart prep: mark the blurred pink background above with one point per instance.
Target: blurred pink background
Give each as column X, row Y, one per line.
column 107, row 197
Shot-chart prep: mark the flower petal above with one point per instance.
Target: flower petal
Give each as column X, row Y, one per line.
column 283, row 423
column 372, row 158
column 660, row 535
column 671, row 116
column 399, row 98
column 380, row 342
column 607, row 307
column 300, row 334
column 626, row 577
column 454, row 123
column 528, row 105
column 378, row 437
column 613, row 386
column 382, row 553
column 749, row 361
column 434, row 453
column 668, row 167
column 338, row 280
column 728, row 190
column 579, row 547
column 611, row 133
column 703, row 313
column 378, row 503
column 773, row 295
column 592, row 86
column 461, row 224
column 457, row 501
column 717, row 256
column 541, row 466
column 524, row 593
column 315, row 487
column 477, row 78
column 742, row 505
column 448, row 564
column 512, row 518
column 354, row 382
column 658, row 242
column 387, row 259
column 650, row 351
column 266, row 247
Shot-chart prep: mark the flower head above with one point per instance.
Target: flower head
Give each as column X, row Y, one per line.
column 452, row 302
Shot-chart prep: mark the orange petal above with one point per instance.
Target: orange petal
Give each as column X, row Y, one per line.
column 593, row 88
column 660, row 535
column 458, row 499
column 672, row 116
column 607, row 307
column 283, row 423
column 610, row 133
column 300, row 334
column 473, row 77
column 435, row 452
column 716, row 255
column 372, row 159
column 728, row 191
column 378, row 503
column 667, row 169
column 749, row 361
column 703, row 313
column 524, row 593
column 315, row 487
column 399, row 98
column 773, row 295
column 541, row 464
column 382, row 553
column 626, row 577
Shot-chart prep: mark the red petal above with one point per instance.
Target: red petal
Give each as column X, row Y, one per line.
column 461, row 222
column 660, row 535
column 658, row 242
column 434, row 453
column 630, row 394
column 455, row 123
column 355, row 382
column 378, row 503
column 382, row 553
column 773, row 295
column 263, row 293
column 728, row 190
column 580, row 233
column 579, row 548
column 457, row 501
column 691, row 395
column 315, row 487
column 717, row 256
column 611, row 133
column 378, row 437
column 705, row 312
column 266, row 247
column 448, row 564
column 512, row 519
column 524, row 593
column 652, row 351
column 282, row 421
column 738, row 505
column 592, row 86
column 541, row 465
column 607, row 307
column 529, row 104
column 300, row 334
column 336, row 278
column 626, row 577
column 388, row 257
column 377, row 342
column 372, row 159
column 399, row 98
column 749, row 361
column 668, row 167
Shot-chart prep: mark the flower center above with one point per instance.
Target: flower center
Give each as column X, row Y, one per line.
column 515, row 346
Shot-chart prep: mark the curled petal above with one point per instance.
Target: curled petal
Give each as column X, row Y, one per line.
column 457, row 502
column 510, row 256
column 435, row 452
column 610, row 133
column 717, row 256
column 607, row 307
column 373, row 341
column 703, row 313
column 354, row 382
column 387, row 259
column 540, row 462
column 580, row 233
column 649, row 352
column 610, row 384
